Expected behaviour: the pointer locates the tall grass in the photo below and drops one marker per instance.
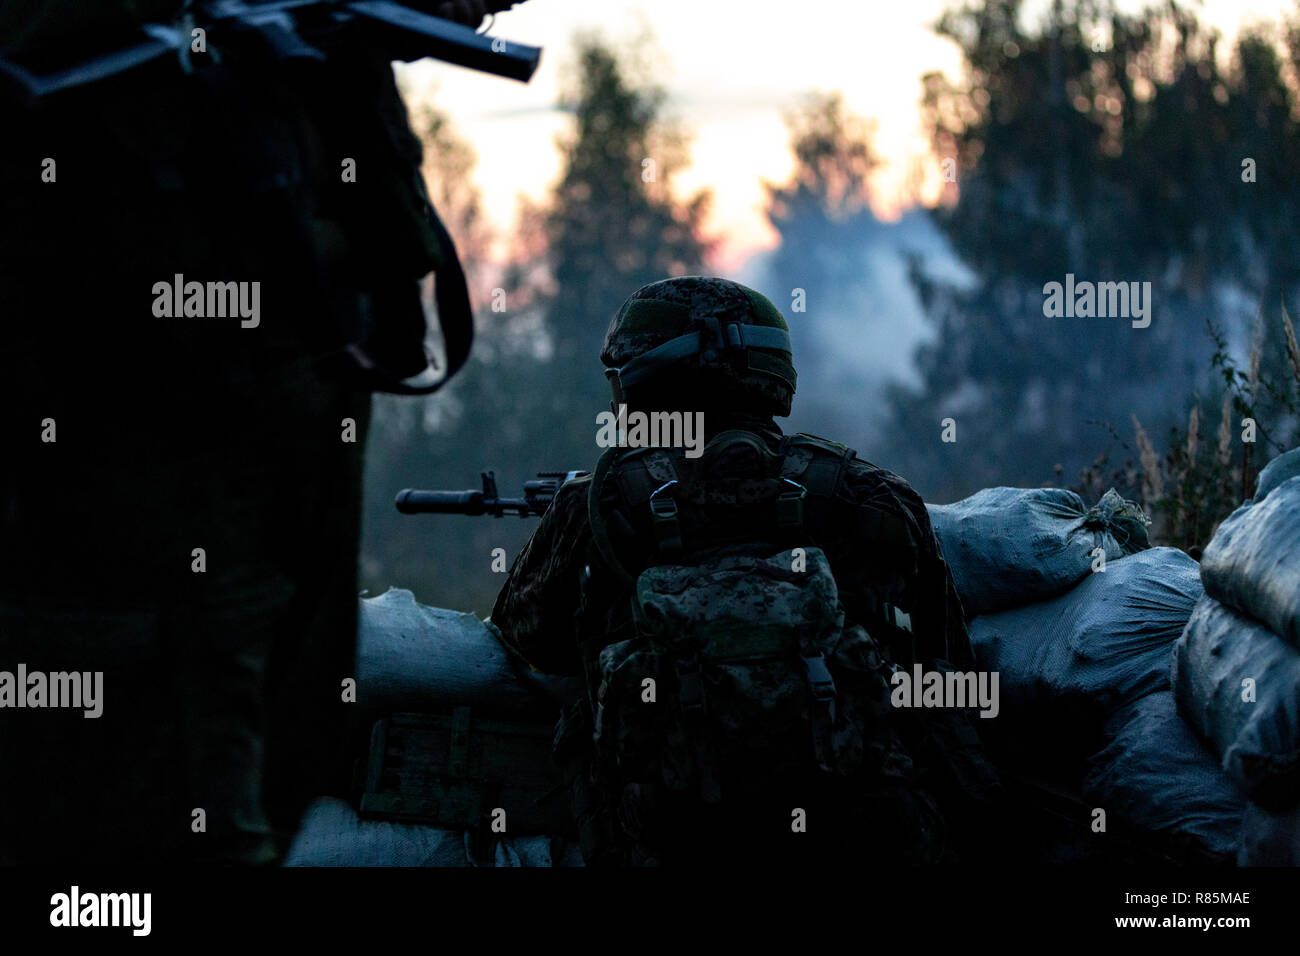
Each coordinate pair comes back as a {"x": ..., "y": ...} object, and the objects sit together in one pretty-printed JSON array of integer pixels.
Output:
[{"x": 1194, "y": 485}]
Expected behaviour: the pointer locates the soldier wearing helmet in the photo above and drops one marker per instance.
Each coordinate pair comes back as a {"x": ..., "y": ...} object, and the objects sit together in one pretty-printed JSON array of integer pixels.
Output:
[{"x": 712, "y": 346}]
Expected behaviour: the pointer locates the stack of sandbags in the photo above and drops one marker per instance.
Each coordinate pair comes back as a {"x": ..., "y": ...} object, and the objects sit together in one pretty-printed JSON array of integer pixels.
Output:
[
  {"x": 1082, "y": 649},
  {"x": 1237, "y": 665},
  {"x": 1238, "y": 684},
  {"x": 415, "y": 659},
  {"x": 1154, "y": 777},
  {"x": 1088, "y": 673},
  {"x": 1008, "y": 547},
  {"x": 1067, "y": 664},
  {"x": 1252, "y": 564}
]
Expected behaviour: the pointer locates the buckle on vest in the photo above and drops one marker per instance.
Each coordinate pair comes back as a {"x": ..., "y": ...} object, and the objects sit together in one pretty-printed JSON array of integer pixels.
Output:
[
  {"x": 819, "y": 678},
  {"x": 663, "y": 513},
  {"x": 789, "y": 505},
  {"x": 822, "y": 711},
  {"x": 690, "y": 687},
  {"x": 899, "y": 618}
]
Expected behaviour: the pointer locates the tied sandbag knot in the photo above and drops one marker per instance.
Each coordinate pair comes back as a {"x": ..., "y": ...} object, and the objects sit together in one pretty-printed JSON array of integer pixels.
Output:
[{"x": 1123, "y": 519}]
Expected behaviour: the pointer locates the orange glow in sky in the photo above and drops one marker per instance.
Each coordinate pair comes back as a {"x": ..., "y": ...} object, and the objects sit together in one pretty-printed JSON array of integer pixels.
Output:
[{"x": 732, "y": 68}]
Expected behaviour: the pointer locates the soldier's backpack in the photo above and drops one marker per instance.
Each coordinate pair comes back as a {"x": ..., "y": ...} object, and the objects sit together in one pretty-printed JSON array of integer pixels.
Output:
[{"x": 734, "y": 677}]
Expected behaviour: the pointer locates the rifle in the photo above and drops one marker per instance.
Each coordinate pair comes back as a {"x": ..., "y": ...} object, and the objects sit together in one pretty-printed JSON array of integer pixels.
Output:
[
  {"x": 280, "y": 26},
  {"x": 537, "y": 497}
]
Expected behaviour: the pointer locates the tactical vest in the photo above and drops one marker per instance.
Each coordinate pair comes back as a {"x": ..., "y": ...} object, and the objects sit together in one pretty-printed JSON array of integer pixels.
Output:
[{"x": 648, "y": 506}]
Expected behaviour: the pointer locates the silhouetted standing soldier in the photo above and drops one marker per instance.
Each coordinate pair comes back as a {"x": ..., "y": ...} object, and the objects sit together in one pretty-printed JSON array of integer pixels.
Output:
[{"x": 207, "y": 263}]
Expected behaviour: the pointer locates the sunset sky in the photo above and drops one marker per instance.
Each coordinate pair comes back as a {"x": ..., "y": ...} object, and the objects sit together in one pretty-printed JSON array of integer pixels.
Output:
[{"x": 731, "y": 68}]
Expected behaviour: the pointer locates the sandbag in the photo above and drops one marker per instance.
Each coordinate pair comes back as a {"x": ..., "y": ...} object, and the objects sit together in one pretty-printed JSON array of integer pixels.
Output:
[
  {"x": 1269, "y": 837},
  {"x": 1155, "y": 777},
  {"x": 1080, "y": 657},
  {"x": 1012, "y": 546},
  {"x": 427, "y": 659},
  {"x": 1258, "y": 741},
  {"x": 1252, "y": 564},
  {"x": 1278, "y": 470},
  {"x": 331, "y": 834}
]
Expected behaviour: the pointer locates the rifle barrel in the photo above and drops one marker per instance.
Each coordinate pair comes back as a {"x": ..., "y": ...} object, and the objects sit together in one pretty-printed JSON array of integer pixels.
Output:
[
  {"x": 449, "y": 41},
  {"x": 413, "y": 502}
]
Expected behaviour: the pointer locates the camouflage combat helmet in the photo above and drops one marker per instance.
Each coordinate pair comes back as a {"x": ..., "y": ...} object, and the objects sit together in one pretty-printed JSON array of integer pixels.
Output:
[{"x": 709, "y": 340}]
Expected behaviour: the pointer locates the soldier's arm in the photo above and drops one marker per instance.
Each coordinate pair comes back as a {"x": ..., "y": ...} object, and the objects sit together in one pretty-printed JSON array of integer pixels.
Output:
[
  {"x": 907, "y": 551},
  {"x": 40, "y": 24},
  {"x": 535, "y": 609}
]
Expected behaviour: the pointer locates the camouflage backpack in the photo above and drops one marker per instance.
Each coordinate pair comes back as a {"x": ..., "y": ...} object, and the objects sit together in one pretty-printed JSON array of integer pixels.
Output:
[{"x": 735, "y": 672}]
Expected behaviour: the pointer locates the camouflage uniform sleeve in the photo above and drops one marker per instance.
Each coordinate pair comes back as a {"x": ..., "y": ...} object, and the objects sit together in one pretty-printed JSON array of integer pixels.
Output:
[
  {"x": 926, "y": 587},
  {"x": 535, "y": 609}
]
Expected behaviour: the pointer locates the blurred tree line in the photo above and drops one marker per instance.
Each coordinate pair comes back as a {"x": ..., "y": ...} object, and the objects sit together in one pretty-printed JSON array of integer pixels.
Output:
[{"x": 1114, "y": 147}]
